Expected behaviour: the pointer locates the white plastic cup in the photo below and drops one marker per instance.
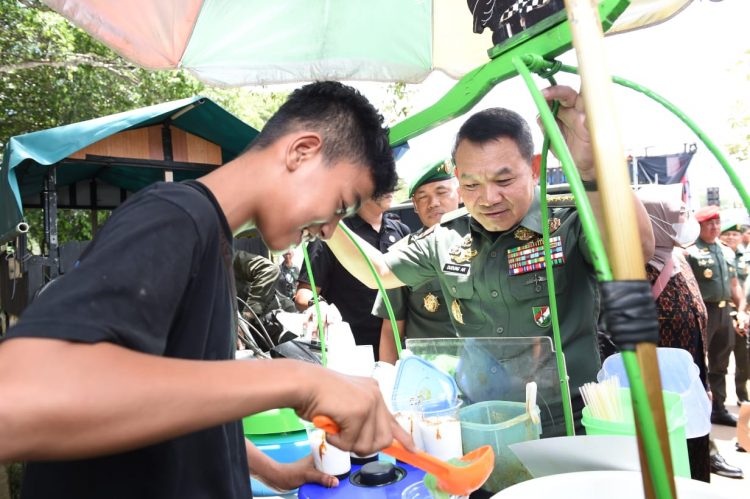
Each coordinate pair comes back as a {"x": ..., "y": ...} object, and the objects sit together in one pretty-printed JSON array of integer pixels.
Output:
[
  {"x": 410, "y": 421},
  {"x": 440, "y": 430},
  {"x": 326, "y": 457}
]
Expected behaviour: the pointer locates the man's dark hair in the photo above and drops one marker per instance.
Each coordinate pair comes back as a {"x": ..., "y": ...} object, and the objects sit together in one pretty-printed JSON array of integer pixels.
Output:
[
  {"x": 495, "y": 123},
  {"x": 352, "y": 129}
]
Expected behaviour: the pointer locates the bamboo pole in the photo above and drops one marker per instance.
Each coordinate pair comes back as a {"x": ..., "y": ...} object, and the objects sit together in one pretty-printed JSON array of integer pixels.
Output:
[{"x": 620, "y": 229}]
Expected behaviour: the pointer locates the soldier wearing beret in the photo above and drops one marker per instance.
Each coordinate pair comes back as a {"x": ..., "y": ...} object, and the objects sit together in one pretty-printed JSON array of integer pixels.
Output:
[
  {"x": 489, "y": 262},
  {"x": 421, "y": 311},
  {"x": 731, "y": 235},
  {"x": 714, "y": 266}
]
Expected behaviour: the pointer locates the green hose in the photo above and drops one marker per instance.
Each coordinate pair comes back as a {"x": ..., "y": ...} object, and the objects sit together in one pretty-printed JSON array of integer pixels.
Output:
[
  {"x": 316, "y": 300},
  {"x": 641, "y": 406}
]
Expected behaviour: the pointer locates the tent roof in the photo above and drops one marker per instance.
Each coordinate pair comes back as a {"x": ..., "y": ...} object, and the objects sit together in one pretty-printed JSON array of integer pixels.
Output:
[{"x": 27, "y": 157}]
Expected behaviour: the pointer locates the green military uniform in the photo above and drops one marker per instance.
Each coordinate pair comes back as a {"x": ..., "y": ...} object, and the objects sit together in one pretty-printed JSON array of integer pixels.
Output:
[
  {"x": 423, "y": 307},
  {"x": 714, "y": 267},
  {"x": 741, "y": 343},
  {"x": 497, "y": 287}
]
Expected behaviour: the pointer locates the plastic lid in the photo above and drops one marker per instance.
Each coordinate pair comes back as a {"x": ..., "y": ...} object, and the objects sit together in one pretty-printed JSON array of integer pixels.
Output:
[
  {"x": 418, "y": 381},
  {"x": 273, "y": 421}
]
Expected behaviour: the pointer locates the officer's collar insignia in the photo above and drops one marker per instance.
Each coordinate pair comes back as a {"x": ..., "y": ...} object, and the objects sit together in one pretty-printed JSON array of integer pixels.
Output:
[
  {"x": 431, "y": 302},
  {"x": 463, "y": 252},
  {"x": 524, "y": 234},
  {"x": 554, "y": 224},
  {"x": 456, "y": 311},
  {"x": 542, "y": 316}
]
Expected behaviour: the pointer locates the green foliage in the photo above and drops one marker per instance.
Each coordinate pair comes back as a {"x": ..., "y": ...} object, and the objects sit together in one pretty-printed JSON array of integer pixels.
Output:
[
  {"x": 53, "y": 74},
  {"x": 740, "y": 122}
]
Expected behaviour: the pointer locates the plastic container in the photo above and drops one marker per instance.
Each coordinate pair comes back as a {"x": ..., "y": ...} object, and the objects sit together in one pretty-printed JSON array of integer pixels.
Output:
[
  {"x": 326, "y": 457},
  {"x": 499, "y": 424},
  {"x": 272, "y": 422},
  {"x": 675, "y": 427},
  {"x": 679, "y": 374},
  {"x": 419, "y": 382},
  {"x": 440, "y": 431},
  {"x": 420, "y": 491}
]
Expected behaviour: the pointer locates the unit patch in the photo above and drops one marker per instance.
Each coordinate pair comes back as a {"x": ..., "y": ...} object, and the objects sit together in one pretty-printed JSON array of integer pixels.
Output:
[
  {"x": 542, "y": 316},
  {"x": 530, "y": 256}
]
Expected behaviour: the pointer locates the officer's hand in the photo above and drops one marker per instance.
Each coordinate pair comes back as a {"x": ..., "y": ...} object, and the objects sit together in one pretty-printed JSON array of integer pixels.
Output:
[
  {"x": 357, "y": 406},
  {"x": 572, "y": 122}
]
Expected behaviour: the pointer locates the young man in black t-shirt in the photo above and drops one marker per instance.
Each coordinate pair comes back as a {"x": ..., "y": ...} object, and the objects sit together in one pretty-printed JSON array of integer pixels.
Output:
[{"x": 118, "y": 381}]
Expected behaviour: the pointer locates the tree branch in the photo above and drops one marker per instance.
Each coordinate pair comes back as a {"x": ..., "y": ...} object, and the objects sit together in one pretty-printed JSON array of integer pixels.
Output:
[{"x": 121, "y": 70}]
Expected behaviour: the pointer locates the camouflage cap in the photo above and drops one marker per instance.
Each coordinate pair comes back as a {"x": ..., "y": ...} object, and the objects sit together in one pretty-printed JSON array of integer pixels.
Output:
[{"x": 433, "y": 172}]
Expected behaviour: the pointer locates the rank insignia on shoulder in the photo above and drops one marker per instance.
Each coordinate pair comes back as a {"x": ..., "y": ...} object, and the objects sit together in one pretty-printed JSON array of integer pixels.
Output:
[
  {"x": 456, "y": 311},
  {"x": 431, "y": 303},
  {"x": 524, "y": 234},
  {"x": 542, "y": 316}
]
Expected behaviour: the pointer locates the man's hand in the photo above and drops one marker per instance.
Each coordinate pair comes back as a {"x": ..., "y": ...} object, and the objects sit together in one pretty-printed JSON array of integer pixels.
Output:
[
  {"x": 288, "y": 476},
  {"x": 356, "y": 405},
  {"x": 571, "y": 119}
]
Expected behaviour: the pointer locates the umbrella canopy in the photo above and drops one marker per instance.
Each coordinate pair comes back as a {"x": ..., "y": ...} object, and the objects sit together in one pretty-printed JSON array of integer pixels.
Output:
[
  {"x": 200, "y": 128},
  {"x": 250, "y": 42}
]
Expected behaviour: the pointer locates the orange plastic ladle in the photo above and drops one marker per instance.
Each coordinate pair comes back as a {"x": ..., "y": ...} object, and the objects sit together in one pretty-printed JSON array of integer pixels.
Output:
[{"x": 455, "y": 479}]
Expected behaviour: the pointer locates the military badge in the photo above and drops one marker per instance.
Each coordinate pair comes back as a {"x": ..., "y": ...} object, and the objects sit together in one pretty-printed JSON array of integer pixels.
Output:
[
  {"x": 542, "y": 316},
  {"x": 431, "y": 303},
  {"x": 554, "y": 224},
  {"x": 456, "y": 310},
  {"x": 708, "y": 273},
  {"x": 524, "y": 234},
  {"x": 463, "y": 253}
]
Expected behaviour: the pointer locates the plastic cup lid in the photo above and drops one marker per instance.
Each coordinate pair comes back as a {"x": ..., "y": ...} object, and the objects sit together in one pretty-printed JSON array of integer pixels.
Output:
[{"x": 419, "y": 382}]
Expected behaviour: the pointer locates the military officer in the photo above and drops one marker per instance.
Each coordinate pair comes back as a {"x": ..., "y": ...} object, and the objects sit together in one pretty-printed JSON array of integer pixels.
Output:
[
  {"x": 421, "y": 311},
  {"x": 713, "y": 264},
  {"x": 489, "y": 262},
  {"x": 731, "y": 235}
]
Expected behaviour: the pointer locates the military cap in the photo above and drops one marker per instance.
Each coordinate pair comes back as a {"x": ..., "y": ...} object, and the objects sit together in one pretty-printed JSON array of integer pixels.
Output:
[
  {"x": 433, "y": 172},
  {"x": 731, "y": 226},
  {"x": 707, "y": 213}
]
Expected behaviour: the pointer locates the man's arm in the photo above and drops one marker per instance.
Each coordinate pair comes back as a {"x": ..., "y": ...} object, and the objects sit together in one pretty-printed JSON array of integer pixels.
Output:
[
  {"x": 303, "y": 295},
  {"x": 572, "y": 121},
  {"x": 387, "y": 350},
  {"x": 350, "y": 257},
  {"x": 65, "y": 400}
]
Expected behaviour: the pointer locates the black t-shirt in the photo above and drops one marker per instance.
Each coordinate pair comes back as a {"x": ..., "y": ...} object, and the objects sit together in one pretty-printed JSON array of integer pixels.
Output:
[
  {"x": 156, "y": 279},
  {"x": 353, "y": 299}
]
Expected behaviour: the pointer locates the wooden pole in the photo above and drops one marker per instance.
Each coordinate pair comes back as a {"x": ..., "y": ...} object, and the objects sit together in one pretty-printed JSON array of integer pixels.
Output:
[{"x": 620, "y": 227}]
